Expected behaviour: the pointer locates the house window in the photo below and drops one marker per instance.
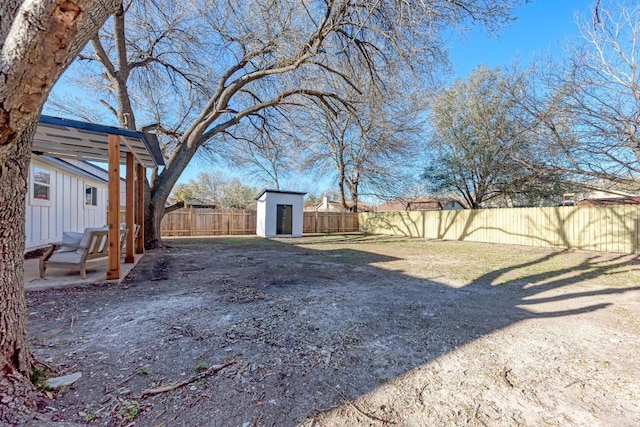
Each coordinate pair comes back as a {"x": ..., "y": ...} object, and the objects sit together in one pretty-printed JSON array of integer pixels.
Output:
[
  {"x": 41, "y": 184},
  {"x": 90, "y": 195}
]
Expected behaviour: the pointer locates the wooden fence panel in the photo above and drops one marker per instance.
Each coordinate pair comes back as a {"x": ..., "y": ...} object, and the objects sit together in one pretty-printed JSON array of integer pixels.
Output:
[
  {"x": 177, "y": 223},
  {"x": 596, "y": 228},
  {"x": 330, "y": 222},
  {"x": 211, "y": 222}
]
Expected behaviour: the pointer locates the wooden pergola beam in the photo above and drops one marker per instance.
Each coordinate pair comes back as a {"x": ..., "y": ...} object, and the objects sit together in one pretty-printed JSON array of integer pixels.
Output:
[
  {"x": 113, "y": 220},
  {"x": 130, "y": 209},
  {"x": 141, "y": 205}
]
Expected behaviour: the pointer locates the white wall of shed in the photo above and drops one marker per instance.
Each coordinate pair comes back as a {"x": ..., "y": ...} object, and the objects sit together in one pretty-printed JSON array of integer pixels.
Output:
[
  {"x": 261, "y": 216},
  {"x": 267, "y": 213}
]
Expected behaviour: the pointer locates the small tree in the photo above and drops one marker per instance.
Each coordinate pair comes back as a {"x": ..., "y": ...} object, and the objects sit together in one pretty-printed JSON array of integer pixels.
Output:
[
  {"x": 367, "y": 147},
  {"x": 264, "y": 151}
]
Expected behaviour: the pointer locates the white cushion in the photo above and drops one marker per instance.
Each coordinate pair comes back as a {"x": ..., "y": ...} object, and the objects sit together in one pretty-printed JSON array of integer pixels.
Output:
[
  {"x": 69, "y": 257},
  {"x": 70, "y": 238},
  {"x": 85, "y": 237}
]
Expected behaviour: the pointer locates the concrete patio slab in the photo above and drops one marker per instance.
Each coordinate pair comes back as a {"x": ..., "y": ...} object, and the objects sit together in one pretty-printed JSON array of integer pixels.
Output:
[{"x": 61, "y": 278}]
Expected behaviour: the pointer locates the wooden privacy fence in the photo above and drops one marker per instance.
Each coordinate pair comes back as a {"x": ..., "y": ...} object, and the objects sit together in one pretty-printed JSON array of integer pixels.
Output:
[
  {"x": 595, "y": 228},
  {"x": 207, "y": 222},
  {"x": 213, "y": 222},
  {"x": 330, "y": 222}
]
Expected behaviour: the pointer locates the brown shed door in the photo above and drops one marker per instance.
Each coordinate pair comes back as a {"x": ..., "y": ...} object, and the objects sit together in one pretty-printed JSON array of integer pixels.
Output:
[{"x": 284, "y": 219}]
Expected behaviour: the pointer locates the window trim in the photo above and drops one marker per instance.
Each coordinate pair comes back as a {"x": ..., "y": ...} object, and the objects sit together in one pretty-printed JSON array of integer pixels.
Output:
[
  {"x": 95, "y": 196},
  {"x": 32, "y": 183}
]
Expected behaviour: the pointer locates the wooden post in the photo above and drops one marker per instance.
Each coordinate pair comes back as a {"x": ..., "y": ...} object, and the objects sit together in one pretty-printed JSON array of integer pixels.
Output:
[
  {"x": 191, "y": 220},
  {"x": 113, "y": 271},
  {"x": 129, "y": 209},
  {"x": 141, "y": 206}
]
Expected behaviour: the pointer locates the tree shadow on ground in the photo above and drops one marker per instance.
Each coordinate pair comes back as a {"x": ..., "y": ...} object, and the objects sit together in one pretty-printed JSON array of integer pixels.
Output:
[{"x": 309, "y": 327}]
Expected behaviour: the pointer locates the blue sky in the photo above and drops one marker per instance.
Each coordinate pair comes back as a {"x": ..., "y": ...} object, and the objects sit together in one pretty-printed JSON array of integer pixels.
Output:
[{"x": 540, "y": 28}]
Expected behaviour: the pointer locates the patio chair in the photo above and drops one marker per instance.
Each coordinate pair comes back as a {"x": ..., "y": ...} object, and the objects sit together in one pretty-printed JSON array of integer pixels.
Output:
[
  {"x": 123, "y": 240},
  {"x": 92, "y": 250}
]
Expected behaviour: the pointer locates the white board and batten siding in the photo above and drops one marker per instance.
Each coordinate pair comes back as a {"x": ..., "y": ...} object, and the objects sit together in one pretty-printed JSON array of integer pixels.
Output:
[{"x": 65, "y": 204}]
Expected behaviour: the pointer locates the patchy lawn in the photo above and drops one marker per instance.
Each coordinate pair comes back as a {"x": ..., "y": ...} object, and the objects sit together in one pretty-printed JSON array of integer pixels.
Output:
[{"x": 349, "y": 331}]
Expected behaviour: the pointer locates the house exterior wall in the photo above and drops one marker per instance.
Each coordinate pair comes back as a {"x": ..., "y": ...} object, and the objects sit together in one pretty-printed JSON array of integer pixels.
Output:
[
  {"x": 326, "y": 206},
  {"x": 267, "y": 213},
  {"x": 65, "y": 210},
  {"x": 103, "y": 174}
]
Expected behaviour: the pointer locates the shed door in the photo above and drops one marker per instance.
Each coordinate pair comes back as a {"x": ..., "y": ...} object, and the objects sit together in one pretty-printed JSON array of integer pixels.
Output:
[{"x": 283, "y": 226}]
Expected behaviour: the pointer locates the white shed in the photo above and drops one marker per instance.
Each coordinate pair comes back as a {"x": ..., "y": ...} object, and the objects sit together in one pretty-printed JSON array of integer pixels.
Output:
[{"x": 280, "y": 213}]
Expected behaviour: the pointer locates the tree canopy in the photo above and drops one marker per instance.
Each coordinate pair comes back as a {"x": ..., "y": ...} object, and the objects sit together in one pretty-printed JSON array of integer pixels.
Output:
[
  {"x": 369, "y": 147},
  {"x": 477, "y": 140},
  {"x": 215, "y": 189}
]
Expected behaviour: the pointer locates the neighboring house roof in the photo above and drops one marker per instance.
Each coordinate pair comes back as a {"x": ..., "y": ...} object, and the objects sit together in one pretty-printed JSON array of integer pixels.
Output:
[
  {"x": 196, "y": 203},
  {"x": 175, "y": 205},
  {"x": 335, "y": 206},
  {"x": 623, "y": 200},
  {"x": 422, "y": 203},
  {"x": 279, "y": 191}
]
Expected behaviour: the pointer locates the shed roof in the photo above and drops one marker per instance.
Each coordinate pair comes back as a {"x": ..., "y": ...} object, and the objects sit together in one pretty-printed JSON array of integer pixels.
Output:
[
  {"x": 75, "y": 139},
  {"x": 279, "y": 192}
]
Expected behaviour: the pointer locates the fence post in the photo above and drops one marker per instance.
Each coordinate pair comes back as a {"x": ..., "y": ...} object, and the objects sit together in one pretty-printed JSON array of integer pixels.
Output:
[
  {"x": 191, "y": 220},
  {"x": 637, "y": 230}
]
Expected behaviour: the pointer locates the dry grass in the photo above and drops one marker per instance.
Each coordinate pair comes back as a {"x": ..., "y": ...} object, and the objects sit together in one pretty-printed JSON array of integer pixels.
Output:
[{"x": 462, "y": 263}]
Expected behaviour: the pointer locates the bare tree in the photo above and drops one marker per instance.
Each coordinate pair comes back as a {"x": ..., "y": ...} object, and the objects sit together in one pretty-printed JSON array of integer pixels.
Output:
[
  {"x": 589, "y": 108},
  {"x": 263, "y": 149},
  {"x": 38, "y": 40},
  {"x": 240, "y": 59},
  {"x": 365, "y": 147}
]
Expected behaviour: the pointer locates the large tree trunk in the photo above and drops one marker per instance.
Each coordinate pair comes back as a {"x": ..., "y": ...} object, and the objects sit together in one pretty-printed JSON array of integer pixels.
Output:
[
  {"x": 16, "y": 392},
  {"x": 161, "y": 189},
  {"x": 38, "y": 40},
  {"x": 152, "y": 219}
]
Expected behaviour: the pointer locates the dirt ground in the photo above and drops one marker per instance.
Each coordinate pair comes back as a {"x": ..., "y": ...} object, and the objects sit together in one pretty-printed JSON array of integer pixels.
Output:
[{"x": 349, "y": 330}]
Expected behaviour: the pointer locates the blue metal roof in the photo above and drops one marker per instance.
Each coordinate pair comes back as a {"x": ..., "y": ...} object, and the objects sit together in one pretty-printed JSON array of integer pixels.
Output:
[{"x": 58, "y": 137}]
